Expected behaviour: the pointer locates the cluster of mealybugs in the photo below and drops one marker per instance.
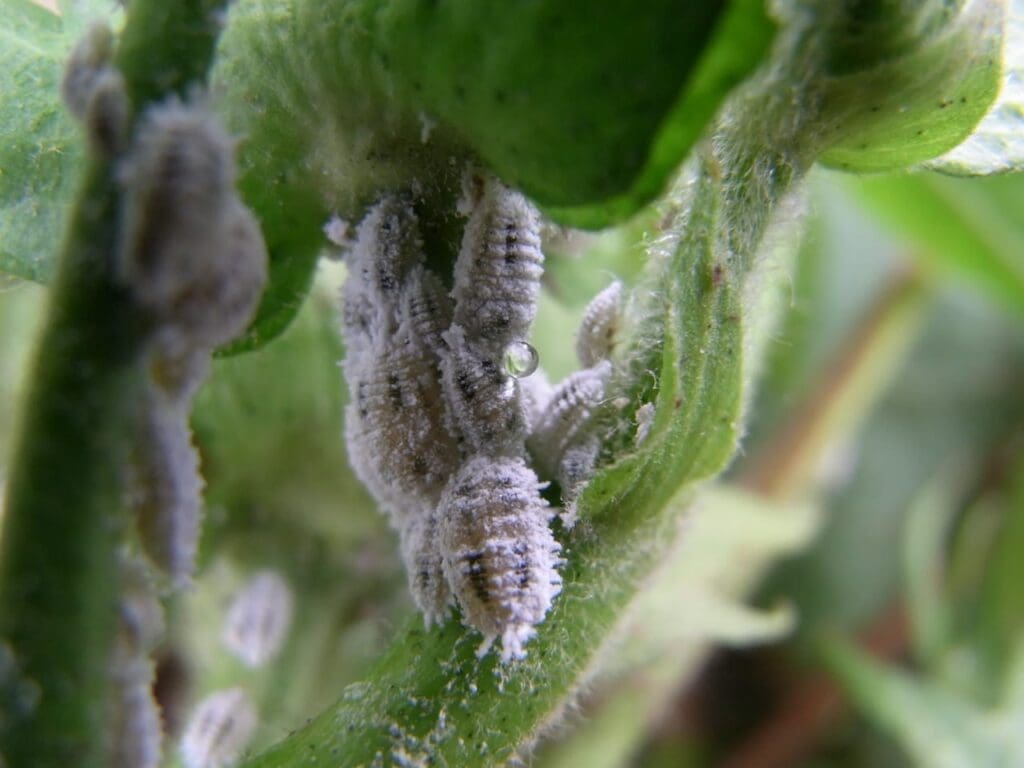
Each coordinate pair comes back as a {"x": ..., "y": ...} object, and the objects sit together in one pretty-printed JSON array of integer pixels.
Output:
[
  {"x": 443, "y": 407},
  {"x": 192, "y": 261}
]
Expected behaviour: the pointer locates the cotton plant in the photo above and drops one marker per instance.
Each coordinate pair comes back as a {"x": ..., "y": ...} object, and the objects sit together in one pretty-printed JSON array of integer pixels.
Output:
[{"x": 200, "y": 154}]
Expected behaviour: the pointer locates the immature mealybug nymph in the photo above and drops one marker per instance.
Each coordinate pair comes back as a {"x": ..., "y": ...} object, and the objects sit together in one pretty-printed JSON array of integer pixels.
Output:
[
  {"x": 220, "y": 727},
  {"x": 136, "y": 730},
  {"x": 500, "y": 557},
  {"x": 569, "y": 409},
  {"x": 387, "y": 246},
  {"x": 421, "y": 554},
  {"x": 258, "y": 619},
  {"x": 89, "y": 58},
  {"x": 165, "y": 486},
  {"x": 596, "y": 337},
  {"x": 498, "y": 271}
]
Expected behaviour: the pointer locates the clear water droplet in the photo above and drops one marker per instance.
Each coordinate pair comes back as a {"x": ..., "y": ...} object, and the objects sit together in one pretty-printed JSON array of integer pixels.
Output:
[{"x": 520, "y": 359}]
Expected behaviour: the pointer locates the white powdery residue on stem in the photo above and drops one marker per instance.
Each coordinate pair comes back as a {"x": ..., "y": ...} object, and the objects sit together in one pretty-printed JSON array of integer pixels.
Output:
[{"x": 258, "y": 619}]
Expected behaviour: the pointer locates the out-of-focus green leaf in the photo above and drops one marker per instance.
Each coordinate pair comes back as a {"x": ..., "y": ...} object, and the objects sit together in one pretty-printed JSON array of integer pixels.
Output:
[
  {"x": 39, "y": 147},
  {"x": 997, "y": 143},
  {"x": 927, "y": 91},
  {"x": 998, "y": 631},
  {"x": 937, "y": 728},
  {"x": 968, "y": 229},
  {"x": 932, "y": 513}
]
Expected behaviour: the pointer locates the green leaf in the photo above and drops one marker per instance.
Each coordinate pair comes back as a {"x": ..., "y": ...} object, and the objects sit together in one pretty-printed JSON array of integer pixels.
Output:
[
  {"x": 588, "y": 108},
  {"x": 40, "y": 150},
  {"x": 970, "y": 230},
  {"x": 924, "y": 97},
  {"x": 997, "y": 143},
  {"x": 935, "y": 727}
]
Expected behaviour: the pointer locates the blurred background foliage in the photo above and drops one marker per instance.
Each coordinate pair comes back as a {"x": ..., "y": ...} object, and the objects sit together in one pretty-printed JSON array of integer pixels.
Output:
[{"x": 875, "y": 515}]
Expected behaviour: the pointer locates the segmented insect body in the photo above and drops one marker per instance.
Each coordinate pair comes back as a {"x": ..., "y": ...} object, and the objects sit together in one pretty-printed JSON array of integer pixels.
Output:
[
  {"x": 500, "y": 556},
  {"x": 396, "y": 429},
  {"x": 135, "y": 722},
  {"x": 596, "y": 336},
  {"x": 498, "y": 270},
  {"x": 220, "y": 728},
  {"x": 483, "y": 399},
  {"x": 427, "y": 309},
  {"x": 193, "y": 258},
  {"x": 421, "y": 554},
  {"x": 567, "y": 412},
  {"x": 387, "y": 246},
  {"x": 136, "y": 730},
  {"x": 191, "y": 253},
  {"x": 258, "y": 619},
  {"x": 393, "y": 312},
  {"x": 165, "y": 487}
]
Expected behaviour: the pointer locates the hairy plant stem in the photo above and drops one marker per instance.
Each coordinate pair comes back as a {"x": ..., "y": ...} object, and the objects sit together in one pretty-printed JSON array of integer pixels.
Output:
[{"x": 64, "y": 514}]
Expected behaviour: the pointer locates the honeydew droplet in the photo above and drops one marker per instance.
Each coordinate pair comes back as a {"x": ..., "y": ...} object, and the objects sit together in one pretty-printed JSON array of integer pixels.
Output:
[{"x": 520, "y": 359}]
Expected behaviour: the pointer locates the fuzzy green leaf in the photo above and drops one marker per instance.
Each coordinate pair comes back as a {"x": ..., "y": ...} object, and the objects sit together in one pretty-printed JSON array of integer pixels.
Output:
[
  {"x": 40, "y": 151},
  {"x": 587, "y": 108},
  {"x": 997, "y": 143},
  {"x": 924, "y": 97}
]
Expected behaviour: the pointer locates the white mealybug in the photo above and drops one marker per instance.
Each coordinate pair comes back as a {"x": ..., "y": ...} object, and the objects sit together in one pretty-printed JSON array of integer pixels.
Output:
[
  {"x": 427, "y": 309},
  {"x": 421, "y": 554},
  {"x": 135, "y": 728},
  {"x": 644, "y": 421},
  {"x": 482, "y": 398},
  {"x": 94, "y": 92},
  {"x": 498, "y": 270},
  {"x": 219, "y": 729},
  {"x": 89, "y": 57},
  {"x": 258, "y": 619},
  {"x": 500, "y": 557},
  {"x": 569, "y": 409},
  {"x": 194, "y": 261},
  {"x": 165, "y": 487},
  {"x": 192, "y": 255},
  {"x": 596, "y": 337},
  {"x": 396, "y": 430}
]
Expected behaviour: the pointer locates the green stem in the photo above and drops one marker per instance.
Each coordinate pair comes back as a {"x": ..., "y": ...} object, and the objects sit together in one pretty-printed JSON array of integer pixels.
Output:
[
  {"x": 64, "y": 513},
  {"x": 62, "y": 519}
]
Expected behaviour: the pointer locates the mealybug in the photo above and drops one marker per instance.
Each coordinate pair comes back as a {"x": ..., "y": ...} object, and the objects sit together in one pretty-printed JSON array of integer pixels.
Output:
[
  {"x": 500, "y": 557},
  {"x": 498, "y": 270},
  {"x": 421, "y": 554},
  {"x": 596, "y": 337},
  {"x": 258, "y": 619},
  {"x": 569, "y": 409},
  {"x": 483, "y": 400},
  {"x": 165, "y": 488},
  {"x": 220, "y": 728}
]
